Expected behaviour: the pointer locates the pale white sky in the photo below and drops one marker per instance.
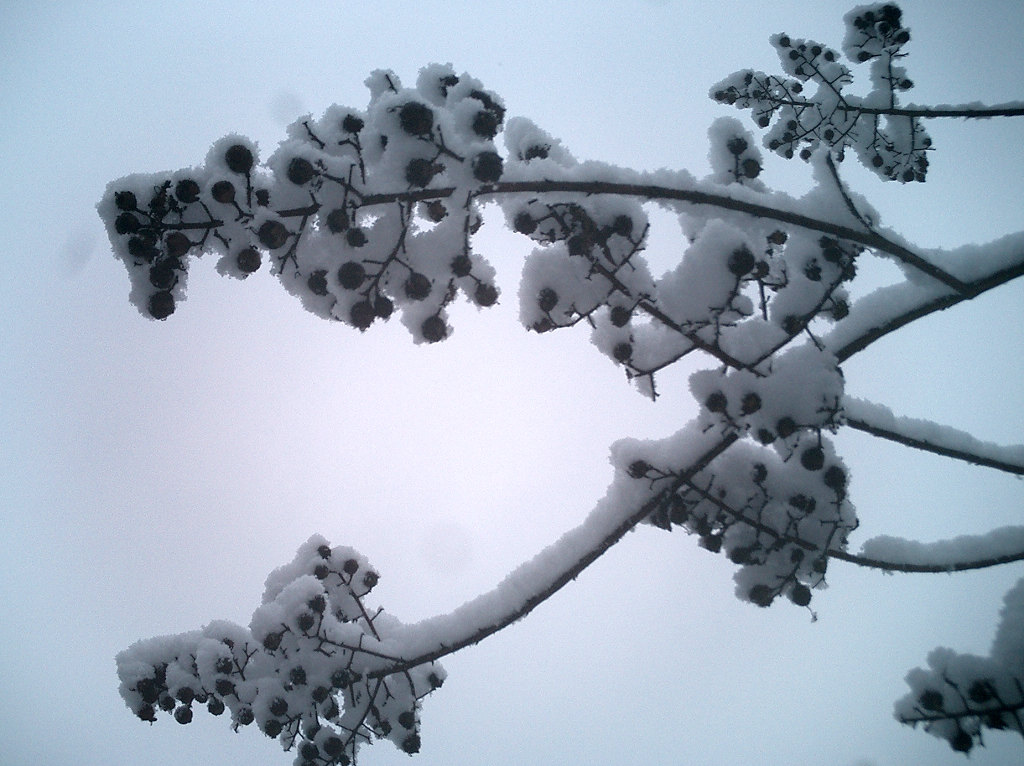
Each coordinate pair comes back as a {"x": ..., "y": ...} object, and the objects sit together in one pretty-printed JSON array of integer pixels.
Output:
[{"x": 151, "y": 474}]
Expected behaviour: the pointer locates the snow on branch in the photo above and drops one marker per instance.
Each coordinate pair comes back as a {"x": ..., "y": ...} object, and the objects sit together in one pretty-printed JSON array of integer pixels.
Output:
[
  {"x": 960, "y": 695},
  {"x": 878, "y": 420}
]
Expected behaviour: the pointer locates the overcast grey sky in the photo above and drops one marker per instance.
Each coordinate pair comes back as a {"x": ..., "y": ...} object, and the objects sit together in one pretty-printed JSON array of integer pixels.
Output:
[{"x": 152, "y": 474}]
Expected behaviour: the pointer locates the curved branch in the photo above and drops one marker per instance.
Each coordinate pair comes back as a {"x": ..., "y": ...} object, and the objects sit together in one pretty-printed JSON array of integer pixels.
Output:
[
  {"x": 924, "y": 435},
  {"x": 929, "y": 305},
  {"x": 898, "y": 566},
  {"x": 654, "y": 192},
  {"x": 556, "y": 581}
]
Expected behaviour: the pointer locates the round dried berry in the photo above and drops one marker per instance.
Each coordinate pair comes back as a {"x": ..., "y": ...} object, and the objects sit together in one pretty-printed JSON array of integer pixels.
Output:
[
  {"x": 800, "y": 594},
  {"x": 638, "y": 469},
  {"x": 382, "y": 306},
  {"x": 622, "y": 352},
  {"x": 278, "y": 706},
  {"x": 407, "y": 719},
  {"x": 751, "y": 168},
  {"x": 239, "y": 159},
  {"x": 961, "y": 742},
  {"x": 485, "y": 295},
  {"x": 420, "y": 172},
  {"x": 361, "y": 315},
  {"x": 736, "y": 145},
  {"x": 337, "y": 220},
  {"x": 835, "y": 478},
  {"x": 125, "y": 200},
  {"x": 305, "y": 621},
  {"x": 762, "y": 595},
  {"x": 317, "y": 282},
  {"x": 183, "y": 715},
  {"x": 334, "y": 746},
  {"x": 271, "y": 641},
  {"x": 620, "y": 316},
  {"x": 356, "y": 237},
  {"x": 321, "y": 571},
  {"x": 272, "y": 234},
  {"x": 187, "y": 190},
  {"x": 524, "y": 223},
  {"x": 741, "y": 261},
  {"x": 318, "y": 604},
  {"x": 300, "y": 171},
  {"x": 411, "y": 744},
  {"x": 224, "y": 665},
  {"x": 436, "y": 211},
  {"x": 272, "y": 727},
  {"x": 177, "y": 244},
  {"x": 245, "y": 716},
  {"x": 417, "y": 286},
  {"x": 813, "y": 458},
  {"x": 485, "y": 124},
  {"x": 931, "y": 699},
  {"x": 370, "y": 579},
  {"x": 716, "y": 402},
  {"x": 622, "y": 225},
  {"x": 161, "y": 304},
  {"x": 487, "y": 167},
  {"x": 350, "y": 567},
  {"x": 249, "y": 260},
  {"x": 461, "y": 265},
  {"x": 161, "y": 275},
  {"x": 547, "y": 299},
  {"x": 126, "y": 223},
  {"x": 434, "y": 329},
  {"x": 415, "y": 118},
  {"x": 224, "y": 687},
  {"x": 750, "y": 403},
  {"x": 352, "y": 124},
  {"x": 223, "y": 192},
  {"x": 351, "y": 275}
]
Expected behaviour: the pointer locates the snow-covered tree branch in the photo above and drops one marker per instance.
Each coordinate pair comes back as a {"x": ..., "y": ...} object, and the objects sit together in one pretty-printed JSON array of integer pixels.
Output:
[{"x": 365, "y": 215}]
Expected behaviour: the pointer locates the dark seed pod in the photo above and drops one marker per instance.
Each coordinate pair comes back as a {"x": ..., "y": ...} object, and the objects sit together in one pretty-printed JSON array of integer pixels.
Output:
[
  {"x": 351, "y": 275},
  {"x": 361, "y": 315},
  {"x": 416, "y": 119},
  {"x": 300, "y": 171},
  {"x": 272, "y": 234},
  {"x": 487, "y": 167},
  {"x": 813, "y": 458},
  {"x": 622, "y": 352},
  {"x": 716, "y": 402},
  {"x": 161, "y": 304},
  {"x": 317, "y": 282},
  {"x": 125, "y": 200},
  {"x": 187, "y": 190},
  {"x": 126, "y": 223},
  {"x": 177, "y": 244},
  {"x": 352, "y": 124},
  {"x": 249, "y": 260},
  {"x": 800, "y": 594},
  {"x": 620, "y": 316},
  {"x": 462, "y": 265},
  {"x": 337, "y": 220},
  {"x": 162, "y": 276},
  {"x": 239, "y": 159},
  {"x": 485, "y": 295},
  {"x": 524, "y": 223},
  {"x": 741, "y": 261},
  {"x": 547, "y": 299},
  {"x": 420, "y": 172},
  {"x": 762, "y": 595},
  {"x": 382, "y": 306},
  {"x": 434, "y": 329},
  {"x": 223, "y": 192},
  {"x": 417, "y": 286},
  {"x": 355, "y": 237}
]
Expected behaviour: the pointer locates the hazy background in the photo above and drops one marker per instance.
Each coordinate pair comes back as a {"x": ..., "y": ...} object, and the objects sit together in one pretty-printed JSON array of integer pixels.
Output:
[{"x": 152, "y": 474}]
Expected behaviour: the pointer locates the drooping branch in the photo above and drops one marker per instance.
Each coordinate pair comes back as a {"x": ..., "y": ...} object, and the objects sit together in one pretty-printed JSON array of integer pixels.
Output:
[
  {"x": 887, "y": 308},
  {"x": 968, "y": 111},
  {"x": 900, "y": 566},
  {"x": 928, "y": 436},
  {"x": 436, "y": 641}
]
